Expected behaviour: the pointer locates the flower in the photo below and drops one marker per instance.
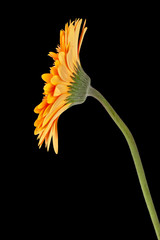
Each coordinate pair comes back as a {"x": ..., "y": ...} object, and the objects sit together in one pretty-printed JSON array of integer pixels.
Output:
[{"x": 66, "y": 84}]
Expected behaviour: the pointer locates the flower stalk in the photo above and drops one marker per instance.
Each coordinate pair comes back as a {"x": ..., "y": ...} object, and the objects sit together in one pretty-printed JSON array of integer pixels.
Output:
[{"x": 135, "y": 154}]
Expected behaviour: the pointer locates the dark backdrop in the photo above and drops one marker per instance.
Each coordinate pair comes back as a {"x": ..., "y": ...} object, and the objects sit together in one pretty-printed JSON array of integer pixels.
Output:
[{"x": 91, "y": 187}]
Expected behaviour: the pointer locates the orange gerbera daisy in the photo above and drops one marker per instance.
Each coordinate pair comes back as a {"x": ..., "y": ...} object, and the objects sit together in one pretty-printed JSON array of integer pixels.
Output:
[{"x": 66, "y": 84}]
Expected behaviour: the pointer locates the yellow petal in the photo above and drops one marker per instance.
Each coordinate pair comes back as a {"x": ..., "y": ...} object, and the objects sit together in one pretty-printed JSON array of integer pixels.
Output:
[
  {"x": 84, "y": 29},
  {"x": 61, "y": 57},
  {"x": 60, "y": 88},
  {"x": 69, "y": 57},
  {"x": 64, "y": 73},
  {"x": 77, "y": 30},
  {"x": 49, "y": 139},
  {"x": 57, "y": 80},
  {"x": 66, "y": 34},
  {"x": 39, "y": 132}
]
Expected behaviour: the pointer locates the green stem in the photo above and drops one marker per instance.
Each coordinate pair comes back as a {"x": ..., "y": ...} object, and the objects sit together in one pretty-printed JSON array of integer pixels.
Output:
[{"x": 135, "y": 154}]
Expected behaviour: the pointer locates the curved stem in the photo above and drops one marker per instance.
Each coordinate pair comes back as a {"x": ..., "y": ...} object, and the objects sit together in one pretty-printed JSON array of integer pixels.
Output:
[{"x": 135, "y": 154}]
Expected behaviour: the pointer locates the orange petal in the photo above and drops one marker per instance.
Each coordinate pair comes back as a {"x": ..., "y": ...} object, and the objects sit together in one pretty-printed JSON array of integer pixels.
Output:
[
  {"x": 48, "y": 88},
  {"x": 42, "y": 104},
  {"x": 53, "y": 70},
  {"x": 46, "y": 77},
  {"x": 61, "y": 100},
  {"x": 37, "y": 110},
  {"x": 55, "y": 136},
  {"x": 38, "y": 131},
  {"x": 50, "y": 98},
  {"x": 48, "y": 127},
  {"x": 56, "y": 63},
  {"x": 41, "y": 113},
  {"x": 62, "y": 40},
  {"x": 47, "y": 110},
  {"x": 53, "y": 55},
  {"x": 38, "y": 122},
  {"x": 46, "y": 138}
]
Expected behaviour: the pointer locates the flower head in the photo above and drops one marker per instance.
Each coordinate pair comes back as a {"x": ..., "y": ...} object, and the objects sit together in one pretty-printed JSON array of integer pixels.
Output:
[{"x": 66, "y": 84}]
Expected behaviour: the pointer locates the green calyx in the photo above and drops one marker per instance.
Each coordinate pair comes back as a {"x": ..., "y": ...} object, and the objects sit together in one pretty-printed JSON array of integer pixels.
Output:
[{"x": 79, "y": 88}]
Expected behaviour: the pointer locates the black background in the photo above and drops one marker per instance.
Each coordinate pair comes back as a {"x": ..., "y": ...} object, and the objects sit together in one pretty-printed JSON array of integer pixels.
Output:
[{"x": 91, "y": 187}]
